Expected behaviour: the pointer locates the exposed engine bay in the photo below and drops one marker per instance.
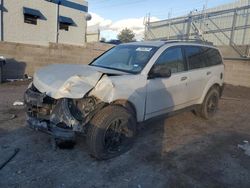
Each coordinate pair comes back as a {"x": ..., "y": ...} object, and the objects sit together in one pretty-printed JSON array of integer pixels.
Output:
[{"x": 55, "y": 115}]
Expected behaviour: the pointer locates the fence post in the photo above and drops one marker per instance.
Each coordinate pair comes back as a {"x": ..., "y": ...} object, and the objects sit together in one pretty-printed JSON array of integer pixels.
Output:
[{"x": 233, "y": 27}]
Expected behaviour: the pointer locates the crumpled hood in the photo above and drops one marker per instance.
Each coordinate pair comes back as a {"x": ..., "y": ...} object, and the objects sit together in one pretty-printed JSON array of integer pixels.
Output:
[{"x": 67, "y": 80}]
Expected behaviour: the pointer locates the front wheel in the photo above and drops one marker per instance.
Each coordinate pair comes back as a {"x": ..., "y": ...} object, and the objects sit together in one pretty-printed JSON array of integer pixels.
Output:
[
  {"x": 111, "y": 133},
  {"x": 210, "y": 104}
]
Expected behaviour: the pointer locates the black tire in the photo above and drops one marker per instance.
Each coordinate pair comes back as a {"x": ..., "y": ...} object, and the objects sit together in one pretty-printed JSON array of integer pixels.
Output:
[
  {"x": 111, "y": 132},
  {"x": 210, "y": 104}
]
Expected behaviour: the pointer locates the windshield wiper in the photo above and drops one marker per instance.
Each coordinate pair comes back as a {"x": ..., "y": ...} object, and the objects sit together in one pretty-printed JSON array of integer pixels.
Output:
[{"x": 112, "y": 68}]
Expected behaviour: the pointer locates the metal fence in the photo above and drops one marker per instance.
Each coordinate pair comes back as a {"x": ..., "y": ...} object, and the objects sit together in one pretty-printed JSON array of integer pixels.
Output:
[{"x": 225, "y": 25}]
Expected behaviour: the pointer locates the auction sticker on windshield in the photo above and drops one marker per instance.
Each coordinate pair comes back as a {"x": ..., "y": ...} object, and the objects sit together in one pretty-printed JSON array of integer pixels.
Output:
[{"x": 143, "y": 49}]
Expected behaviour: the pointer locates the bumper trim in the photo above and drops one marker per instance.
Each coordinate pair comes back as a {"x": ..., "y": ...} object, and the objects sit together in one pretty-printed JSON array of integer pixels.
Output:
[{"x": 50, "y": 128}]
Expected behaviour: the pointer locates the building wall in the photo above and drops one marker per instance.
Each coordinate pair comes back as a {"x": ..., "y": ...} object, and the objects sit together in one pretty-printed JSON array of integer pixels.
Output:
[
  {"x": 76, "y": 34},
  {"x": 237, "y": 72},
  {"x": 93, "y": 37},
  {"x": 93, "y": 33},
  {"x": 26, "y": 58},
  {"x": 15, "y": 30},
  {"x": 1, "y": 9}
]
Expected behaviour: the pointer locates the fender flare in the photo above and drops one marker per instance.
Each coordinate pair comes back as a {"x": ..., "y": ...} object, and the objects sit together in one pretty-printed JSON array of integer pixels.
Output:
[{"x": 214, "y": 82}]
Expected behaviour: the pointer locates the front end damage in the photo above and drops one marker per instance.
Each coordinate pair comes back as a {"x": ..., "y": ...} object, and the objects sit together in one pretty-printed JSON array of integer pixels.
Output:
[
  {"x": 61, "y": 118},
  {"x": 64, "y": 98}
]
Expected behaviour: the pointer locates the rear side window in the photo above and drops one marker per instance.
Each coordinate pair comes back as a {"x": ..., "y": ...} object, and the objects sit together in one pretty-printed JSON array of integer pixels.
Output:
[
  {"x": 172, "y": 59},
  {"x": 212, "y": 55},
  {"x": 195, "y": 57}
]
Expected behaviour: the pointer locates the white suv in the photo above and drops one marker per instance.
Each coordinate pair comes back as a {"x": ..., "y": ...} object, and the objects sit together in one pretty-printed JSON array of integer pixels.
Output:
[{"x": 126, "y": 85}]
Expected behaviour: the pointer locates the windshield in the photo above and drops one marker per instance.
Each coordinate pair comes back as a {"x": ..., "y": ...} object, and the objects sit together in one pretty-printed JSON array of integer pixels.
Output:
[{"x": 127, "y": 58}]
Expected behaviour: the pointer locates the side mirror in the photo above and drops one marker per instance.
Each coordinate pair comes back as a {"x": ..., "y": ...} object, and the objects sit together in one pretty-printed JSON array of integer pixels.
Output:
[{"x": 159, "y": 71}]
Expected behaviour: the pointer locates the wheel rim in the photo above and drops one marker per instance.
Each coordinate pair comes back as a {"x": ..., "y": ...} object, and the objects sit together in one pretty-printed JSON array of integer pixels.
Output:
[
  {"x": 212, "y": 104},
  {"x": 116, "y": 136}
]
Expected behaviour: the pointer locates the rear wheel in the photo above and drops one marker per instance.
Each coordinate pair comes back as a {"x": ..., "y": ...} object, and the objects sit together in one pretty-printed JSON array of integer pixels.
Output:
[
  {"x": 210, "y": 104},
  {"x": 111, "y": 132}
]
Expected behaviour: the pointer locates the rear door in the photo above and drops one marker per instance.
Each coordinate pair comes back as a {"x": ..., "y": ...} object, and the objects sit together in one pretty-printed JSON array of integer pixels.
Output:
[
  {"x": 198, "y": 73},
  {"x": 214, "y": 64}
]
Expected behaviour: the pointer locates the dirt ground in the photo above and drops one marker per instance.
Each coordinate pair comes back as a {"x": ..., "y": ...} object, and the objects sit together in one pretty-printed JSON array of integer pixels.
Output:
[{"x": 180, "y": 151}]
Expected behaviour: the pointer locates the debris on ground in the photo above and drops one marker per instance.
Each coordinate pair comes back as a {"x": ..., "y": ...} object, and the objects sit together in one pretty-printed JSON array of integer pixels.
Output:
[
  {"x": 19, "y": 172},
  {"x": 18, "y": 103},
  {"x": 26, "y": 77},
  {"x": 14, "y": 80},
  {"x": 12, "y": 116},
  {"x": 10, "y": 158},
  {"x": 245, "y": 147},
  {"x": 9, "y": 117}
]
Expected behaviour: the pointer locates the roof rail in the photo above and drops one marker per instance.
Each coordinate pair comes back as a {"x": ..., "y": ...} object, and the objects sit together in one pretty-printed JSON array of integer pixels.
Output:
[{"x": 198, "y": 41}]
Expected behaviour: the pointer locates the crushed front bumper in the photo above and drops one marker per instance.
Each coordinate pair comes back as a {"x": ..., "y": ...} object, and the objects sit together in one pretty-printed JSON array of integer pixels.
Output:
[
  {"x": 58, "y": 133},
  {"x": 50, "y": 116}
]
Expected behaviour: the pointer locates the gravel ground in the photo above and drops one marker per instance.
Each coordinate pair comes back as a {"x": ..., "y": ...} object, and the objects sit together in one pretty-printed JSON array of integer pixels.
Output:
[{"x": 180, "y": 151}]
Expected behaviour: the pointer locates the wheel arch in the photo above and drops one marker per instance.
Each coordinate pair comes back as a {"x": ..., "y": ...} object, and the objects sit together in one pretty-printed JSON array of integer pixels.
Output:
[
  {"x": 128, "y": 105},
  {"x": 208, "y": 88}
]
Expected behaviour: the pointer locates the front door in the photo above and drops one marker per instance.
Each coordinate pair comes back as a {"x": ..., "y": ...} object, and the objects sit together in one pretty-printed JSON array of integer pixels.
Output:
[{"x": 167, "y": 94}]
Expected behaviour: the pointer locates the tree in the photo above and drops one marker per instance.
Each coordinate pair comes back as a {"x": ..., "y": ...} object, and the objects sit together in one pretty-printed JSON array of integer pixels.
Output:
[{"x": 126, "y": 35}]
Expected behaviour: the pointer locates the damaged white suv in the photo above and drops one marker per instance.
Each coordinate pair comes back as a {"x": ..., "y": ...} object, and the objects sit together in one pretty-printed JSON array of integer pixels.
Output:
[{"x": 128, "y": 84}]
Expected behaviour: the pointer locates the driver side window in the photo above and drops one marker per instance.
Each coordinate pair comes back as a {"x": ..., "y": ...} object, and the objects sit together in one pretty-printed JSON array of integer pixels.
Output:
[{"x": 172, "y": 59}]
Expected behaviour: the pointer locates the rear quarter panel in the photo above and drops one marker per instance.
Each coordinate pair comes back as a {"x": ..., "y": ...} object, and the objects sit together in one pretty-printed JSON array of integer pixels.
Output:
[{"x": 214, "y": 79}]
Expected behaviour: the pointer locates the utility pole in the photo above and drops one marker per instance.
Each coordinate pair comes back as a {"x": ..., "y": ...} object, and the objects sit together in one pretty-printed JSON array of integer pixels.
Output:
[
  {"x": 246, "y": 21},
  {"x": 233, "y": 27},
  {"x": 204, "y": 10},
  {"x": 145, "y": 27},
  {"x": 189, "y": 25},
  {"x": 2, "y": 10},
  {"x": 169, "y": 23},
  {"x": 57, "y": 20},
  {"x": 146, "y": 23}
]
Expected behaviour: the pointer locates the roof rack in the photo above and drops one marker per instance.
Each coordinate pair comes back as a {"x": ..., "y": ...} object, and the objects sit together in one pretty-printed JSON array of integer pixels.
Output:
[{"x": 197, "y": 41}]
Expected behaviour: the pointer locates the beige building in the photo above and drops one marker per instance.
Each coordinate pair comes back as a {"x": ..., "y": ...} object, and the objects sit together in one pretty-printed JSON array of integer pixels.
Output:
[
  {"x": 93, "y": 34},
  {"x": 44, "y": 21}
]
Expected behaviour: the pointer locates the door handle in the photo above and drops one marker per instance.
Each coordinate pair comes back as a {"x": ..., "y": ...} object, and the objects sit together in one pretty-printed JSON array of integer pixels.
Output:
[
  {"x": 183, "y": 78},
  {"x": 208, "y": 73}
]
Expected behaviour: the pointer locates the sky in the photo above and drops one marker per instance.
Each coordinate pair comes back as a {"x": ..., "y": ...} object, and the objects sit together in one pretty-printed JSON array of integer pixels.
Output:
[{"x": 111, "y": 16}]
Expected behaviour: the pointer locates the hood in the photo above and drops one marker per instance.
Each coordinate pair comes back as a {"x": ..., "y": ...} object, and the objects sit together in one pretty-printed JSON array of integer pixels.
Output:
[{"x": 69, "y": 81}]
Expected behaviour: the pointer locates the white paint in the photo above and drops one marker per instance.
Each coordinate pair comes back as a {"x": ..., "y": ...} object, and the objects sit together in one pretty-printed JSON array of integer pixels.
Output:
[
  {"x": 131, "y": 88},
  {"x": 150, "y": 97},
  {"x": 67, "y": 80}
]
